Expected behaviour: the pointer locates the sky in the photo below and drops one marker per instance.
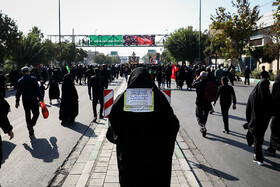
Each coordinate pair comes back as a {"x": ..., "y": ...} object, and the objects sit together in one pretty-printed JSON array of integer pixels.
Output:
[{"x": 116, "y": 17}]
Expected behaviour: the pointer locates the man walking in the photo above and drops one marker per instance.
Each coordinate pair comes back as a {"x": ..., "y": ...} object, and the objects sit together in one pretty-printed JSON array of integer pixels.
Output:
[
  {"x": 202, "y": 106},
  {"x": 29, "y": 89},
  {"x": 97, "y": 86},
  {"x": 247, "y": 73}
]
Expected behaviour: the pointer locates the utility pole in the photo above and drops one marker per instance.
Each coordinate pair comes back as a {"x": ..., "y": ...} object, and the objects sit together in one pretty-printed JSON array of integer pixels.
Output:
[
  {"x": 199, "y": 45},
  {"x": 59, "y": 23}
]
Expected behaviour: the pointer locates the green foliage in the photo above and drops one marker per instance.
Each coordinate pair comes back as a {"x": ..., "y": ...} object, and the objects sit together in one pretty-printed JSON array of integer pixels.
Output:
[
  {"x": 235, "y": 29},
  {"x": 100, "y": 59},
  {"x": 183, "y": 44},
  {"x": 9, "y": 37},
  {"x": 29, "y": 51}
]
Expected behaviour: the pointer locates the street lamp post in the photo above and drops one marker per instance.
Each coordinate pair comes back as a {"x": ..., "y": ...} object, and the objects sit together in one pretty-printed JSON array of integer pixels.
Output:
[
  {"x": 59, "y": 23},
  {"x": 199, "y": 45}
]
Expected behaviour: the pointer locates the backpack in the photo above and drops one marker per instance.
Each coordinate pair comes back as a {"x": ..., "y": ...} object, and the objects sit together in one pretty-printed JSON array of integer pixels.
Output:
[{"x": 210, "y": 91}]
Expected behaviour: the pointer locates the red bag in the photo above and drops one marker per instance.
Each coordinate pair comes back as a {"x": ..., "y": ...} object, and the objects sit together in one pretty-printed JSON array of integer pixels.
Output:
[{"x": 45, "y": 111}]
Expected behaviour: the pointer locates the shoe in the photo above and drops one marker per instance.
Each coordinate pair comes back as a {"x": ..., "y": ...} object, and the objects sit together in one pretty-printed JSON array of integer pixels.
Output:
[
  {"x": 211, "y": 111},
  {"x": 101, "y": 116},
  {"x": 258, "y": 162},
  {"x": 269, "y": 152},
  {"x": 225, "y": 131},
  {"x": 50, "y": 102},
  {"x": 203, "y": 131},
  {"x": 94, "y": 120}
]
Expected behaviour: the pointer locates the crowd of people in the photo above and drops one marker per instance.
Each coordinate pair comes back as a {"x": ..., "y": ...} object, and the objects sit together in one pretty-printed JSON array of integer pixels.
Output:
[{"x": 210, "y": 85}]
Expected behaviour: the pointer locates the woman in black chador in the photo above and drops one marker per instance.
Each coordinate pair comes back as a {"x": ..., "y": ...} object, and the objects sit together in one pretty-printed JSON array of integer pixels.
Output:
[
  {"x": 275, "y": 120},
  {"x": 54, "y": 87},
  {"x": 145, "y": 140},
  {"x": 69, "y": 107},
  {"x": 258, "y": 113}
]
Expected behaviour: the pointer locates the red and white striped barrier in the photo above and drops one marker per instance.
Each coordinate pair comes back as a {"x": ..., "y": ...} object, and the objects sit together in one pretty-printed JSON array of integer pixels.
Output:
[
  {"x": 167, "y": 94},
  {"x": 108, "y": 102}
]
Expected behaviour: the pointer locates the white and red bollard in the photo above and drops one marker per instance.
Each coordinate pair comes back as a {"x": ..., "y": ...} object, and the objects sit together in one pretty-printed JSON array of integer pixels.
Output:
[
  {"x": 108, "y": 101},
  {"x": 167, "y": 94}
]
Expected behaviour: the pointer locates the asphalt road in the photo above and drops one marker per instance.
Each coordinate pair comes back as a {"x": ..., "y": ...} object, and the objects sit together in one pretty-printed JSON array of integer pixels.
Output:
[
  {"x": 35, "y": 163},
  {"x": 228, "y": 154}
]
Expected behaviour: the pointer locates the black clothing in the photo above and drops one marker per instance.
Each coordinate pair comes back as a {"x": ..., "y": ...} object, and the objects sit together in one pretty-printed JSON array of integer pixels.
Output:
[
  {"x": 247, "y": 73},
  {"x": 200, "y": 86},
  {"x": 145, "y": 140},
  {"x": 97, "y": 85},
  {"x": 226, "y": 94},
  {"x": 69, "y": 107},
  {"x": 105, "y": 75},
  {"x": 189, "y": 78},
  {"x": 275, "y": 121},
  {"x": 2, "y": 86},
  {"x": 264, "y": 74},
  {"x": 29, "y": 89},
  {"x": 168, "y": 73},
  {"x": 4, "y": 122},
  {"x": 53, "y": 85},
  {"x": 258, "y": 113},
  {"x": 89, "y": 73}
]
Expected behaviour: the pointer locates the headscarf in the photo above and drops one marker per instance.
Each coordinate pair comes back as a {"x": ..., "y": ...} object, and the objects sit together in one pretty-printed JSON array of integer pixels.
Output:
[{"x": 140, "y": 78}]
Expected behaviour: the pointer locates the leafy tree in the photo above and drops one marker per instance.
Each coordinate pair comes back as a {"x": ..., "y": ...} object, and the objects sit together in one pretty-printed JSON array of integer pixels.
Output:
[
  {"x": 100, "y": 59},
  {"x": 114, "y": 59},
  {"x": 50, "y": 52},
  {"x": 81, "y": 54},
  {"x": 236, "y": 28},
  {"x": 182, "y": 45},
  {"x": 9, "y": 37},
  {"x": 29, "y": 51}
]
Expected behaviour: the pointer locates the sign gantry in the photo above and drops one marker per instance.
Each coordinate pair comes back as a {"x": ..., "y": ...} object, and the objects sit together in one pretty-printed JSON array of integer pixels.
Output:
[{"x": 154, "y": 40}]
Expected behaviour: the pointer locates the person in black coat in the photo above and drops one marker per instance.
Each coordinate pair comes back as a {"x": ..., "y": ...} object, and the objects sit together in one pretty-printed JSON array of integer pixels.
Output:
[
  {"x": 227, "y": 95},
  {"x": 4, "y": 123},
  {"x": 144, "y": 140},
  {"x": 97, "y": 88},
  {"x": 202, "y": 106},
  {"x": 275, "y": 120},
  {"x": 69, "y": 107},
  {"x": 28, "y": 87},
  {"x": 258, "y": 114}
]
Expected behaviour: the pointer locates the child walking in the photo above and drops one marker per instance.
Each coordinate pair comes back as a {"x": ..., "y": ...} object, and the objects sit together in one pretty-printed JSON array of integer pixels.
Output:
[{"x": 227, "y": 95}]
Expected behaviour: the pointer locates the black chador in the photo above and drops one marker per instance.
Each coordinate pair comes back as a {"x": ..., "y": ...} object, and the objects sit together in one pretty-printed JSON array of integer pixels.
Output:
[
  {"x": 145, "y": 140},
  {"x": 258, "y": 113},
  {"x": 69, "y": 107}
]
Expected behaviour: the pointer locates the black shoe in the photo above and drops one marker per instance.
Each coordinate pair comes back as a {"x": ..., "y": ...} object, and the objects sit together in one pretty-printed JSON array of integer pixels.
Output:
[
  {"x": 211, "y": 111},
  {"x": 94, "y": 120},
  {"x": 101, "y": 117},
  {"x": 203, "y": 131}
]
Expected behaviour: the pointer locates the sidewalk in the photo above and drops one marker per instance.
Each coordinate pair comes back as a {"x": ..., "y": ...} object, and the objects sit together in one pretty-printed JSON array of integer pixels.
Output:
[{"x": 97, "y": 163}]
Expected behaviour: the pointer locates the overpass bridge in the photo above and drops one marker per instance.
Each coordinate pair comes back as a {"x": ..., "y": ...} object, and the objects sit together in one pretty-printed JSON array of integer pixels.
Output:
[{"x": 137, "y": 40}]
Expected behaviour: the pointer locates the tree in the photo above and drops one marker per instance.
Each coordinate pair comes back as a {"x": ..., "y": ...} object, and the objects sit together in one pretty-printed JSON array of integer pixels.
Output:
[
  {"x": 236, "y": 28},
  {"x": 100, "y": 59},
  {"x": 9, "y": 37},
  {"x": 29, "y": 51},
  {"x": 81, "y": 54},
  {"x": 182, "y": 45},
  {"x": 50, "y": 52}
]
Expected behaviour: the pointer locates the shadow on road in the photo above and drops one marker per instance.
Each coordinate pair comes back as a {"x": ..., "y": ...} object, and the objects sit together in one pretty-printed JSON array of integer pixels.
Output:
[
  {"x": 7, "y": 148},
  {"x": 230, "y": 116},
  {"x": 80, "y": 128},
  {"x": 42, "y": 149},
  {"x": 238, "y": 144},
  {"x": 216, "y": 172},
  {"x": 238, "y": 103}
]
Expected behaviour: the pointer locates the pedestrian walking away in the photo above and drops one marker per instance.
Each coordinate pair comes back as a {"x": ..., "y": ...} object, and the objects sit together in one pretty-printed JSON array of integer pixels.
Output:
[
  {"x": 144, "y": 140},
  {"x": 69, "y": 107},
  {"x": 247, "y": 73},
  {"x": 28, "y": 87},
  {"x": 97, "y": 88},
  {"x": 4, "y": 123},
  {"x": 275, "y": 120},
  {"x": 202, "y": 106},
  {"x": 258, "y": 114},
  {"x": 227, "y": 96}
]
